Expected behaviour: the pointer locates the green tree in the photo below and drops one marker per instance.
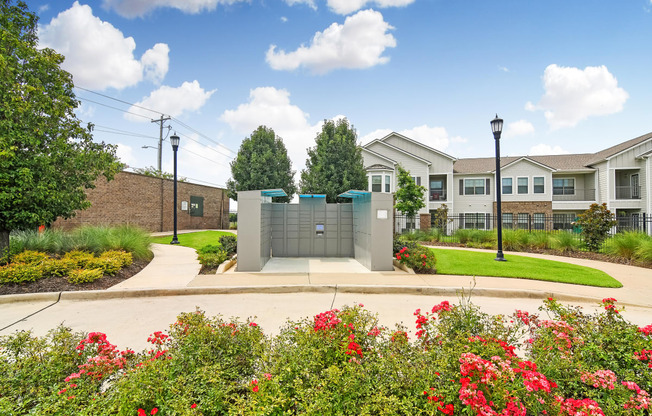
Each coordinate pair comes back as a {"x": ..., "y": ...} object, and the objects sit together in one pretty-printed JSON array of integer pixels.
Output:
[
  {"x": 595, "y": 223},
  {"x": 155, "y": 173},
  {"x": 409, "y": 195},
  {"x": 47, "y": 158},
  {"x": 334, "y": 165},
  {"x": 262, "y": 163}
]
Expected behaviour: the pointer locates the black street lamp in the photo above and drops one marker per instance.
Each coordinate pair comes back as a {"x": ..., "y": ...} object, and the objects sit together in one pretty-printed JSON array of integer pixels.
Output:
[
  {"x": 174, "y": 141},
  {"x": 496, "y": 129}
]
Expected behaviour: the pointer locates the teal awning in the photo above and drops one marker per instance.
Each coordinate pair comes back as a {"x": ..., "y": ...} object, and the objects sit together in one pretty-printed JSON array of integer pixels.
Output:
[
  {"x": 273, "y": 192},
  {"x": 352, "y": 193},
  {"x": 312, "y": 196}
]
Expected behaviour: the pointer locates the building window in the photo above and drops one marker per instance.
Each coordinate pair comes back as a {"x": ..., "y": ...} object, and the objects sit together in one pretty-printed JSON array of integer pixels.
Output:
[
  {"x": 437, "y": 190},
  {"x": 376, "y": 183},
  {"x": 538, "y": 185},
  {"x": 563, "y": 186},
  {"x": 523, "y": 221},
  {"x": 522, "y": 185},
  {"x": 388, "y": 181},
  {"x": 475, "y": 221},
  {"x": 507, "y": 186},
  {"x": 563, "y": 221},
  {"x": 473, "y": 186},
  {"x": 508, "y": 220},
  {"x": 539, "y": 221},
  {"x": 417, "y": 180}
]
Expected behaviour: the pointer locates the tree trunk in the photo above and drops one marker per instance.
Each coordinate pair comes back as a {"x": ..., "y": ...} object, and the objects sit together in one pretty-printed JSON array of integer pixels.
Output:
[{"x": 4, "y": 243}]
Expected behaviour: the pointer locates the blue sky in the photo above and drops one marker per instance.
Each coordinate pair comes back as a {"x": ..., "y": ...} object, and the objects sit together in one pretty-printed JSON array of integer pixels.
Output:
[{"x": 567, "y": 76}]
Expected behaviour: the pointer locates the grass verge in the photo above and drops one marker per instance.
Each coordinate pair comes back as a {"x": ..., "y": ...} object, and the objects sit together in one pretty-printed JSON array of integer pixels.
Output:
[
  {"x": 193, "y": 240},
  {"x": 473, "y": 263}
]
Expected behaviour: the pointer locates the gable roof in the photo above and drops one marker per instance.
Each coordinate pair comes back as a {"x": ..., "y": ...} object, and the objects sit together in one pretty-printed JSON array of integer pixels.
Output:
[
  {"x": 614, "y": 150},
  {"x": 364, "y": 149},
  {"x": 418, "y": 144},
  {"x": 378, "y": 166},
  {"x": 557, "y": 163},
  {"x": 398, "y": 149},
  {"x": 525, "y": 158}
]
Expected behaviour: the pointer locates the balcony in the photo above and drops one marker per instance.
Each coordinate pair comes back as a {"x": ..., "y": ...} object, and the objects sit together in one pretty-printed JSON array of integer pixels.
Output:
[
  {"x": 628, "y": 192},
  {"x": 437, "y": 195},
  {"x": 572, "y": 194}
]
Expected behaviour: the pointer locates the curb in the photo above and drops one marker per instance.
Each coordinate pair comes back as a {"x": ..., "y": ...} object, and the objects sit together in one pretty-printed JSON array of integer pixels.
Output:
[{"x": 92, "y": 295}]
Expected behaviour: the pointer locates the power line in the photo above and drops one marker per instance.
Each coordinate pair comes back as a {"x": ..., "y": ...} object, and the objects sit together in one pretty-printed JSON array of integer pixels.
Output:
[
  {"x": 115, "y": 108},
  {"x": 119, "y": 100},
  {"x": 208, "y": 147}
]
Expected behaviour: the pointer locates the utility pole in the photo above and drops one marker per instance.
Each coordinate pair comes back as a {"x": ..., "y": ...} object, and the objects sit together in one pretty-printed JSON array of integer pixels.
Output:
[{"x": 160, "y": 140}]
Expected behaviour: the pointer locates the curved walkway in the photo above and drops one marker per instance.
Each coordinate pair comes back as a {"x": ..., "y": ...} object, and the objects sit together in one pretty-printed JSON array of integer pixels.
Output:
[{"x": 151, "y": 300}]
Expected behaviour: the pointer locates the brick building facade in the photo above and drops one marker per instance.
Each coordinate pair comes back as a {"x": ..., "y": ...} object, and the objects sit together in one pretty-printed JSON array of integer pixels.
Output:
[{"x": 146, "y": 201}]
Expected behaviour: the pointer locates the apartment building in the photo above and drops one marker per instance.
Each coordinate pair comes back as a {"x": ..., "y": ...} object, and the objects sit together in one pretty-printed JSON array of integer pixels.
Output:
[{"x": 534, "y": 188}]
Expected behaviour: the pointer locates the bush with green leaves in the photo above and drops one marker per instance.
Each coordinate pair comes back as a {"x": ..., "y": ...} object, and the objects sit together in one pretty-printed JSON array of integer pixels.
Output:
[
  {"x": 418, "y": 258},
  {"x": 81, "y": 276},
  {"x": 211, "y": 255},
  {"x": 20, "y": 273},
  {"x": 565, "y": 241},
  {"x": 626, "y": 245},
  {"x": 229, "y": 244},
  {"x": 595, "y": 222},
  {"x": 81, "y": 258},
  {"x": 560, "y": 361}
]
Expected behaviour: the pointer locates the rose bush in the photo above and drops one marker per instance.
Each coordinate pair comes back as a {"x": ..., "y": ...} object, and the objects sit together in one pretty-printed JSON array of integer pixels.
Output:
[{"x": 557, "y": 361}]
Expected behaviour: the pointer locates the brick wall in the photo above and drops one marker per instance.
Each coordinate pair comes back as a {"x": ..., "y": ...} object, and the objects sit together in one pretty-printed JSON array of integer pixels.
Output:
[
  {"x": 147, "y": 202},
  {"x": 526, "y": 207}
]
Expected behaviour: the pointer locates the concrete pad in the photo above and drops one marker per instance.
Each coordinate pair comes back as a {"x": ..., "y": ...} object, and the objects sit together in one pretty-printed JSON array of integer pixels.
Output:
[
  {"x": 402, "y": 279},
  {"x": 249, "y": 279},
  {"x": 313, "y": 265}
]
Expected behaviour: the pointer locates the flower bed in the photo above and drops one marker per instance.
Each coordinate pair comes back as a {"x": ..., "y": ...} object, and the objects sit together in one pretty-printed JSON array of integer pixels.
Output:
[{"x": 559, "y": 361}]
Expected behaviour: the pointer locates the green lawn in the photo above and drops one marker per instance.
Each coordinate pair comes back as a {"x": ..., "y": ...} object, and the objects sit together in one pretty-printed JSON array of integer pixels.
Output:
[
  {"x": 473, "y": 263},
  {"x": 194, "y": 240}
]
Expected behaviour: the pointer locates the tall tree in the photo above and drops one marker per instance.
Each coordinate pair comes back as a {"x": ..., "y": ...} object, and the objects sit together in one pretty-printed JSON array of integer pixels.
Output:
[
  {"x": 409, "y": 195},
  {"x": 335, "y": 164},
  {"x": 262, "y": 163},
  {"x": 47, "y": 158}
]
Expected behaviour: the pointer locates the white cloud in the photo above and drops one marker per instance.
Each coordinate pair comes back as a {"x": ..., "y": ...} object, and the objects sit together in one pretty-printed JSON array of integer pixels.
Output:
[
  {"x": 97, "y": 54},
  {"x": 435, "y": 137},
  {"x": 136, "y": 8},
  {"x": 207, "y": 162},
  {"x": 572, "y": 95},
  {"x": 350, "y": 6},
  {"x": 190, "y": 96},
  {"x": 44, "y": 8},
  {"x": 546, "y": 149},
  {"x": 503, "y": 68},
  {"x": 284, "y": 19},
  {"x": 309, "y": 3},
  {"x": 126, "y": 154},
  {"x": 518, "y": 128},
  {"x": 358, "y": 43},
  {"x": 271, "y": 107}
]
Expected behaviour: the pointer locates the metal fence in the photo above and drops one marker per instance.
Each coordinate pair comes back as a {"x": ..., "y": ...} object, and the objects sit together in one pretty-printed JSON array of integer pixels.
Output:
[{"x": 555, "y": 223}]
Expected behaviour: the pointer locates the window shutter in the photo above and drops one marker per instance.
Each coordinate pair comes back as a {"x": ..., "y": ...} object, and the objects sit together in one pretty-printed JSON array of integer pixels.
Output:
[
  {"x": 488, "y": 187},
  {"x": 461, "y": 221},
  {"x": 461, "y": 186},
  {"x": 488, "y": 222}
]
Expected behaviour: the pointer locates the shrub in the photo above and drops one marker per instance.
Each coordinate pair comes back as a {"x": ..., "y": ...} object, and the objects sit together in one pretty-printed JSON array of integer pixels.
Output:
[
  {"x": 81, "y": 258},
  {"x": 58, "y": 267},
  {"x": 125, "y": 258},
  {"x": 30, "y": 257},
  {"x": 419, "y": 258},
  {"x": 108, "y": 265},
  {"x": 210, "y": 249},
  {"x": 20, "y": 273},
  {"x": 80, "y": 276},
  {"x": 539, "y": 240},
  {"x": 229, "y": 244},
  {"x": 212, "y": 260},
  {"x": 463, "y": 235},
  {"x": 595, "y": 223}
]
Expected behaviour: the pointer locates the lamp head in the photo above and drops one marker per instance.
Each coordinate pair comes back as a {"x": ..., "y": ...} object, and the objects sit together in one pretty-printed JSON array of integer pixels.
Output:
[
  {"x": 174, "y": 141},
  {"x": 497, "y": 125}
]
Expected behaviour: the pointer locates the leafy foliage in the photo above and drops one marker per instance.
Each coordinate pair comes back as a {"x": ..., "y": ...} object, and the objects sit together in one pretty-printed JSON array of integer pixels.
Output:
[
  {"x": 335, "y": 164},
  {"x": 229, "y": 244},
  {"x": 155, "y": 173},
  {"x": 47, "y": 159},
  {"x": 84, "y": 275},
  {"x": 262, "y": 163},
  {"x": 409, "y": 195},
  {"x": 418, "y": 258},
  {"x": 595, "y": 223}
]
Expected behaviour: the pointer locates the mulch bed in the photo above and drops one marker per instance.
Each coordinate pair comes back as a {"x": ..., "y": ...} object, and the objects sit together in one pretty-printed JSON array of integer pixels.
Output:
[
  {"x": 60, "y": 284},
  {"x": 586, "y": 255}
]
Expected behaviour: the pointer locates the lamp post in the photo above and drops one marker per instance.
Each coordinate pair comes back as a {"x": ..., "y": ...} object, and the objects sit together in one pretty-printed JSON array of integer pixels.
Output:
[
  {"x": 174, "y": 141},
  {"x": 496, "y": 129}
]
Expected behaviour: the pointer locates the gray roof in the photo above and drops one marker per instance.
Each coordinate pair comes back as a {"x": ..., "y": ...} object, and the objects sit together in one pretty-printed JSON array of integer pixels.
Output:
[
  {"x": 565, "y": 163},
  {"x": 604, "y": 154}
]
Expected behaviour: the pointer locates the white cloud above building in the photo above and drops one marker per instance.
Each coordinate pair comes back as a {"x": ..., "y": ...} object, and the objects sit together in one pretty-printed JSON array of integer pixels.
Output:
[
  {"x": 358, "y": 43},
  {"x": 139, "y": 8},
  {"x": 98, "y": 55},
  {"x": 172, "y": 101},
  {"x": 573, "y": 95}
]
